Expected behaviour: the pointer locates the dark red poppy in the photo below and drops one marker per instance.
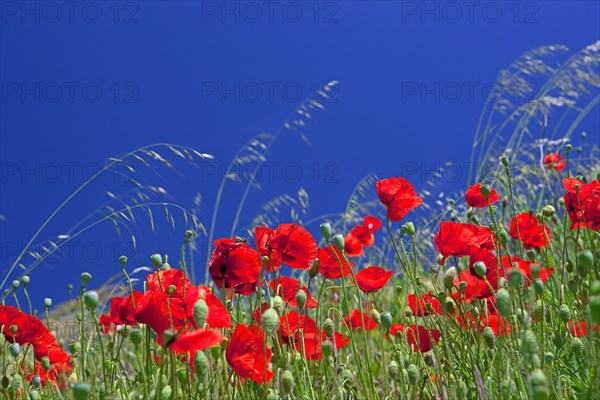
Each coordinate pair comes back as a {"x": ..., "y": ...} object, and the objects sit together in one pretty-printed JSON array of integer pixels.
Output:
[
  {"x": 288, "y": 287},
  {"x": 424, "y": 305},
  {"x": 248, "y": 355},
  {"x": 234, "y": 265},
  {"x": 475, "y": 199},
  {"x": 371, "y": 279},
  {"x": 289, "y": 243},
  {"x": 357, "y": 321},
  {"x": 361, "y": 235},
  {"x": 198, "y": 339},
  {"x": 554, "y": 161},
  {"x": 456, "y": 239},
  {"x": 583, "y": 206},
  {"x": 530, "y": 231},
  {"x": 399, "y": 196},
  {"x": 332, "y": 264}
]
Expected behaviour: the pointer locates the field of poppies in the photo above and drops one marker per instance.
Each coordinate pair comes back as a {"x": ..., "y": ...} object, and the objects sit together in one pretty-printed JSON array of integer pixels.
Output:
[{"x": 494, "y": 296}]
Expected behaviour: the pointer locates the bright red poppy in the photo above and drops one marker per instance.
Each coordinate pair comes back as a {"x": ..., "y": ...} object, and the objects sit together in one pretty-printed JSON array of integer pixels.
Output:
[
  {"x": 122, "y": 309},
  {"x": 246, "y": 353},
  {"x": 525, "y": 267},
  {"x": 371, "y": 279},
  {"x": 457, "y": 239},
  {"x": 529, "y": 230},
  {"x": 234, "y": 265},
  {"x": 554, "y": 161},
  {"x": 399, "y": 196},
  {"x": 332, "y": 264},
  {"x": 217, "y": 317},
  {"x": 583, "y": 206},
  {"x": 357, "y": 321},
  {"x": 288, "y": 287},
  {"x": 420, "y": 338},
  {"x": 475, "y": 199},
  {"x": 289, "y": 244},
  {"x": 198, "y": 339},
  {"x": 424, "y": 305},
  {"x": 499, "y": 326},
  {"x": 361, "y": 235},
  {"x": 478, "y": 288}
]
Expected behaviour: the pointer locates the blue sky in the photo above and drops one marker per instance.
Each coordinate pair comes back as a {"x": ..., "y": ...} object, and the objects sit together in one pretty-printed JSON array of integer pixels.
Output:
[{"x": 85, "y": 81}]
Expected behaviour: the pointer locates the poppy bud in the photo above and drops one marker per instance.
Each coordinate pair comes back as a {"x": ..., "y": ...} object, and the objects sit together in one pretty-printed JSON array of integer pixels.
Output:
[
  {"x": 14, "y": 349},
  {"x": 123, "y": 261},
  {"x": 595, "y": 309},
  {"x": 270, "y": 321},
  {"x": 386, "y": 320},
  {"x": 34, "y": 394},
  {"x": 451, "y": 202},
  {"x": 538, "y": 286},
  {"x": 166, "y": 266},
  {"x": 449, "y": 305},
  {"x": 504, "y": 161},
  {"x": 314, "y": 268},
  {"x": 278, "y": 304},
  {"x": 47, "y": 302},
  {"x": 572, "y": 285},
  {"x": 73, "y": 348},
  {"x": 200, "y": 363},
  {"x": 462, "y": 285},
  {"x": 15, "y": 285},
  {"x": 376, "y": 316},
  {"x": 595, "y": 288},
  {"x": 287, "y": 382},
  {"x": 485, "y": 191},
  {"x": 480, "y": 269},
  {"x": 503, "y": 237},
  {"x": 156, "y": 260},
  {"x": 91, "y": 299},
  {"x": 338, "y": 240},
  {"x": 329, "y": 328},
  {"x": 586, "y": 261},
  {"x": 413, "y": 374},
  {"x": 503, "y": 302},
  {"x": 326, "y": 230},
  {"x": 538, "y": 310},
  {"x": 409, "y": 228},
  {"x": 548, "y": 211},
  {"x": 449, "y": 276},
  {"x": 577, "y": 345},
  {"x": 529, "y": 342},
  {"x": 393, "y": 369},
  {"x": 25, "y": 280},
  {"x": 188, "y": 235},
  {"x": 166, "y": 392},
  {"x": 36, "y": 381},
  {"x": 549, "y": 357},
  {"x": 301, "y": 299},
  {"x": 172, "y": 289},
  {"x": 81, "y": 391},
  {"x": 85, "y": 278},
  {"x": 515, "y": 277},
  {"x": 200, "y": 312},
  {"x": 564, "y": 313},
  {"x": 327, "y": 348},
  {"x": 538, "y": 384},
  {"x": 504, "y": 202},
  {"x": 475, "y": 220},
  {"x": 531, "y": 255},
  {"x": 489, "y": 337}
]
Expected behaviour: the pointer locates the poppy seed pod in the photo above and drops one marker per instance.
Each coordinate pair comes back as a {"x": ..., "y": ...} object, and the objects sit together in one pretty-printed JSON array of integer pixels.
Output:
[
  {"x": 386, "y": 320},
  {"x": 81, "y": 391},
  {"x": 538, "y": 286},
  {"x": 450, "y": 305},
  {"x": 172, "y": 289},
  {"x": 156, "y": 260},
  {"x": 91, "y": 299},
  {"x": 393, "y": 369},
  {"x": 338, "y": 240},
  {"x": 200, "y": 312},
  {"x": 15, "y": 284},
  {"x": 577, "y": 345},
  {"x": 538, "y": 383},
  {"x": 329, "y": 328},
  {"x": 489, "y": 337},
  {"x": 409, "y": 228},
  {"x": 123, "y": 260},
  {"x": 14, "y": 349},
  {"x": 480, "y": 269},
  {"x": 45, "y": 361},
  {"x": 503, "y": 236},
  {"x": 548, "y": 211},
  {"x": 326, "y": 230},
  {"x": 287, "y": 381},
  {"x": 564, "y": 313},
  {"x": 504, "y": 161},
  {"x": 529, "y": 343},
  {"x": 136, "y": 336},
  {"x": 585, "y": 261},
  {"x": 301, "y": 299},
  {"x": 25, "y": 280},
  {"x": 503, "y": 302},
  {"x": 47, "y": 302},
  {"x": 270, "y": 321},
  {"x": 413, "y": 374},
  {"x": 462, "y": 285},
  {"x": 85, "y": 278},
  {"x": 485, "y": 191}
]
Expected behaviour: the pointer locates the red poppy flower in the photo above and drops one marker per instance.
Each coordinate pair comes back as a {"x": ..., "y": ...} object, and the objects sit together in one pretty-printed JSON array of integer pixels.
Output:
[
  {"x": 289, "y": 243},
  {"x": 158, "y": 311},
  {"x": 371, "y": 279},
  {"x": 530, "y": 231},
  {"x": 554, "y": 162},
  {"x": 354, "y": 321},
  {"x": 583, "y": 207},
  {"x": 234, "y": 265},
  {"x": 198, "y": 339},
  {"x": 288, "y": 288},
  {"x": 456, "y": 239},
  {"x": 478, "y": 288},
  {"x": 396, "y": 328},
  {"x": 361, "y": 235},
  {"x": 499, "y": 326},
  {"x": 525, "y": 267},
  {"x": 122, "y": 311},
  {"x": 330, "y": 267},
  {"x": 475, "y": 199},
  {"x": 420, "y": 338},
  {"x": 258, "y": 312},
  {"x": 217, "y": 317},
  {"x": 399, "y": 196},
  {"x": 419, "y": 305},
  {"x": 246, "y": 352}
]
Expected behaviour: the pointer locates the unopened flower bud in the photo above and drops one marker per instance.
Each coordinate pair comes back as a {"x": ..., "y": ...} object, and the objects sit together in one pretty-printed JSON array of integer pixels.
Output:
[
  {"x": 338, "y": 240},
  {"x": 15, "y": 349},
  {"x": 156, "y": 260},
  {"x": 577, "y": 345},
  {"x": 503, "y": 302},
  {"x": 529, "y": 342},
  {"x": 485, "y": 191},
  {"x": 85, "y": 278},
  {"x": 548, "y": 211},
  {"x": 450, "y": 305},
  {"x": 327, "y": 348},
  {"x": 172, "y": 289},
  {"x": 81, "y": 391},
  {"x": 278, "y": 304},
  {"x": 538, "y": 286},
  {"x": 200, "y": 312},
  {"x": 504, "y": 161},
  {"x": 489, "y": 337},
  {"x": 47, "y": 302},
  {"x": 15, "y": 284},
  {"x": 449, "y": 276},
  {"x": 329, "y": 328},
  {"x": 301, "y": 299},
  {"x": 386, "y": 320},
  {"x": 480, "y": 269},
  {"x": 376, "y": 316},
  {"x": 413, "y": 374},
  {"x": 91, "y": 299},
  {"x": 538, "y": 383},
  {"x": 462, "y": 285},
  {"x": 45, "y": 361},
  {"x": 504, "y": 202},
  {"x": 270, "y": 321},
  {"x": 25, "y": 280},
  {"x": 314, "y": 268},
  {"x": 585, "y": 261},
  {"x": 188, "y": 235},
  {"x": 287, "y": 382},
  {"x": 326, "y": 230},
  {"x": 595, "y": 309},
  {"x": 409, "y": 228},
  {"x": 200, "y": 364}
]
